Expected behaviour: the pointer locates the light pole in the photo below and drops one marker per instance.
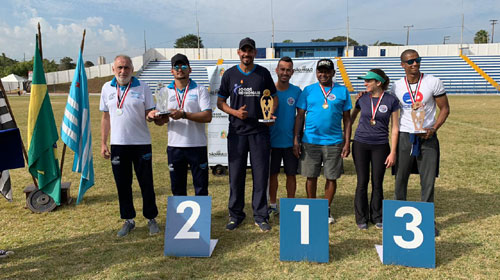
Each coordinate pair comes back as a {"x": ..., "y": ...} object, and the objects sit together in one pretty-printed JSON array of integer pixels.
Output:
[
  {"x": 197, "y": 28},
  {"x": 272, "y": 23},
  {"x": 347, "y": 39},
  {"x": 408, "y": 32},
  {"x": 445, "y": 38},
  {"x": 493, "y": 22}
]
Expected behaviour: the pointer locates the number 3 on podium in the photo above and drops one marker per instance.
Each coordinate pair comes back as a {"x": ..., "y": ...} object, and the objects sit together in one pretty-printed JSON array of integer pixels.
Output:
[{"x": 408, "y": 236}]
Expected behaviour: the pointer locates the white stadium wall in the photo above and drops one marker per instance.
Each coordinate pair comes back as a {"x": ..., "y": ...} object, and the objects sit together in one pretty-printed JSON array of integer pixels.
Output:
[{"x": 231, "y": 54}]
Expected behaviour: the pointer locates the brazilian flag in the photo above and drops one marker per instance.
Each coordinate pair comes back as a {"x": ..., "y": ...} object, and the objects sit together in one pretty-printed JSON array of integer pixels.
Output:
[{"x": 42, "y": 135}]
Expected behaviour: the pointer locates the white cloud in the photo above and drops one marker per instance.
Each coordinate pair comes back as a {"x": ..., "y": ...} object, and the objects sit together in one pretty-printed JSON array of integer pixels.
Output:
[{"x": 62, "y": 40}]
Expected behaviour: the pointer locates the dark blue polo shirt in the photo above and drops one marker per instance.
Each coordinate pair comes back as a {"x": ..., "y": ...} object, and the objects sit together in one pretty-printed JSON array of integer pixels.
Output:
[{"x": 246, "y": 89}]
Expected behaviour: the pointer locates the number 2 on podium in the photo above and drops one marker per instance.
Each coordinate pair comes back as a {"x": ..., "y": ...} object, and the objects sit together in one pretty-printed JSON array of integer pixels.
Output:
[{"x": 184, "y": 232}]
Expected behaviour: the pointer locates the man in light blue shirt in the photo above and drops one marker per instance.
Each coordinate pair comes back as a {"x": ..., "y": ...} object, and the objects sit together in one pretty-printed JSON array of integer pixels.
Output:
[
  {"x": 282, "y": 134},
  {"x": 328, "y": 105}
]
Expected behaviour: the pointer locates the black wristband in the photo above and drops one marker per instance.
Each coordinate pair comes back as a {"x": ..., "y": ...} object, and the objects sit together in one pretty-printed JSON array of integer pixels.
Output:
[{"x": 183, "y": 114}]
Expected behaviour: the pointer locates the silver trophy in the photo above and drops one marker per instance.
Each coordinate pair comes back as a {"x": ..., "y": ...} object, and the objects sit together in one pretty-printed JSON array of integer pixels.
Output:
[{"x": 161, "y": 98}]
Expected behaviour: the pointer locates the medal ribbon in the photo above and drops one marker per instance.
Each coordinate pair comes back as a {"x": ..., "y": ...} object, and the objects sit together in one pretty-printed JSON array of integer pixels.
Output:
[
  {"x": 413, "y": 96},
  {"x": 374, "y": 110},
  {"x": 325, "y": 94},
  {"x": 177, "y": 96},
  {"x": 121, "y": 100}
]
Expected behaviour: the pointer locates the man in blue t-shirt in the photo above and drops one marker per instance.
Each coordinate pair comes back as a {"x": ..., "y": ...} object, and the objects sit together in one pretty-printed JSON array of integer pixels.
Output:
[
  {"x": 327, "y": 106},
  {"x": 282, "y": 134},
  {"x": 245, "y": 84}
]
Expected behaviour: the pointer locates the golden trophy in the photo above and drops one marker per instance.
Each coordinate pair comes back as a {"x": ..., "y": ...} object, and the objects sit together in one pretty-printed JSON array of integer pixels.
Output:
[
  {"x": 266, "y": 104},
  {"x": 418, "y": 117}
]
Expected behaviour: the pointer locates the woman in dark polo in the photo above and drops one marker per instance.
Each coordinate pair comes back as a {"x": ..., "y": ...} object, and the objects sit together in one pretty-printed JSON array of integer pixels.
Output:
[{"x": 371, "y": 145}]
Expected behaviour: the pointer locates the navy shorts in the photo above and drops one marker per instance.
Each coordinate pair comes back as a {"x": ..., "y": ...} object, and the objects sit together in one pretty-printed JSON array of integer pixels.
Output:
[{"x": 290, "y": 162}]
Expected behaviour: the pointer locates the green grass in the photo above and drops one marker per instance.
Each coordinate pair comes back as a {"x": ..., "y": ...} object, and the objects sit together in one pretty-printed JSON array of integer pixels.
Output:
[{"x": 79, "y": 242}]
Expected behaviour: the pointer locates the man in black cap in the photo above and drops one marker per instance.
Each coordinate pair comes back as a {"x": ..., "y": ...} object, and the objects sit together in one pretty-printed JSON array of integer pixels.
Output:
[
  {"x": 322, "y": 142},
  {"x": 189, "y": 107},
  {"x": 245, "y": 84}
]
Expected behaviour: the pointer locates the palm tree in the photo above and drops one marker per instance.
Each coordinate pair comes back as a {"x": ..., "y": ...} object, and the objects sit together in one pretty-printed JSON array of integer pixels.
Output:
[{"x": 481, "y": 37}]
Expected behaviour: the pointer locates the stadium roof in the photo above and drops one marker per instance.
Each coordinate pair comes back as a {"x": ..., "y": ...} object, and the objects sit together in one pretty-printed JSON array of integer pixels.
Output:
[{"x": 309, "y": 44}]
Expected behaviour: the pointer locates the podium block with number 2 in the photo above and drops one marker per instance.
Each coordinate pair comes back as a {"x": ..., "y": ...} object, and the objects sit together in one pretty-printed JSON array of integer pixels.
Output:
[
  {"x": 187, "y": 228},
  {"x": 408, "y": 237},
  {"x": 304, "y": 230}
]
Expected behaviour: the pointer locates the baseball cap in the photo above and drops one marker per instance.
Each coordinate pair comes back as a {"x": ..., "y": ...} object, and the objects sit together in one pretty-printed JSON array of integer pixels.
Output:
[
  {"x": 372, "y": 76},
  {"x": 325, "y": 63},
  {"x": 179, "y": 59},
  {"x": 247, "y": 42}
]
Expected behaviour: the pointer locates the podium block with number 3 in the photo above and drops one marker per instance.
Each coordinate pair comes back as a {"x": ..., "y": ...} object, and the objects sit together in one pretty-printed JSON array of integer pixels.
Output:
[
  {"x": 304, "y": 230},
  {"x": 408, "y": 237},
  {"x": 187, "y": 228}
]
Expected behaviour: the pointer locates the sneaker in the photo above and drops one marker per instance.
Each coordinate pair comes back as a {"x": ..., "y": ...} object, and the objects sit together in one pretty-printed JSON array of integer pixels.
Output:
[
  {"x": 331, "y": 220},
  {"x": 273, "y": 211},
  {"x": 264, "y": 226},
  {"x": 232, "y": 225},
  {"x": 5, "y": 254},
  {"x": 379, "y": 225},
  {"x": 126, "y": 228},
  {"x": 436, "y": 231},
  {"x": 363, "y": 226},
  {"x": 153, "y": 227}
]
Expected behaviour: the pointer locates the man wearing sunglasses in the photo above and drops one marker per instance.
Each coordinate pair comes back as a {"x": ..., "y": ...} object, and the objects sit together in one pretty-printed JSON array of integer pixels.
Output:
[
  {"x": 245, "y": 84},
  {"x": 418, "y": 146},
  {"x": 189, "y": 110}
]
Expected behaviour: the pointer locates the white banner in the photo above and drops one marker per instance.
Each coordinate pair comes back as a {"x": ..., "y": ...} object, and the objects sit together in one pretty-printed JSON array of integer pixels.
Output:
[{"x": 304, "y": 75}]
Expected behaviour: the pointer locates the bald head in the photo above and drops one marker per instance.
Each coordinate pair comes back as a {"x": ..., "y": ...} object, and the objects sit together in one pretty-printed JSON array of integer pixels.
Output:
[{"x": 407, "y": 52}]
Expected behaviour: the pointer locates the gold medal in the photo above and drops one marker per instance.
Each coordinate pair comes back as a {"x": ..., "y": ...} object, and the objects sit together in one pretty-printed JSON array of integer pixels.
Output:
[
  {"x": 373, "y": 122},
  {"x": 417, "y": 105},
  {"x": 325, "y": 106}
]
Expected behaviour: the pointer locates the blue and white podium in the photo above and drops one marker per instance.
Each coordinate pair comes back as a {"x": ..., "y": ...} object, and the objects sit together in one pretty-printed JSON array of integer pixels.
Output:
[
  {"x": 187, "y": 227},
  {"x": 304, "y": 230},
  {"x": 408, "y": 234}
]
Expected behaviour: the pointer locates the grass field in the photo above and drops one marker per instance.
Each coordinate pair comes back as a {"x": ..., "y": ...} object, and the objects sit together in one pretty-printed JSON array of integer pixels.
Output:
[{"x": 79, "y": 242}]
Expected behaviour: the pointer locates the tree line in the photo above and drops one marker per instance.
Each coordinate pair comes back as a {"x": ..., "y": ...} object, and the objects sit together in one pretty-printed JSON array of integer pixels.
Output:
[{"x": 21, "y": 68}]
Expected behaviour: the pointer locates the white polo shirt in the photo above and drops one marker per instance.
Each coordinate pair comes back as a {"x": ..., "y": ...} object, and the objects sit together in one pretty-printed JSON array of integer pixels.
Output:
[
  {"x": 430, "y": 88},
  {"x": 183, "y": 132},
  {"x": 129, "y": 128}
]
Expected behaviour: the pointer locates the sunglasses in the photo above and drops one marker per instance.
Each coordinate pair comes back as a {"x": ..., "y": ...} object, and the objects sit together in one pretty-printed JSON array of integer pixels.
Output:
[
  {"x": 181, "y": 67},
  {"x": 411, "y": 61}
]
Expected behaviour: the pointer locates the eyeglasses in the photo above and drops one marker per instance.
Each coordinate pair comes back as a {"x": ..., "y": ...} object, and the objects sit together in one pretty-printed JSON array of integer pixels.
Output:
[
  {"x": 181, "y": 67},
  {"x": 411, "y": 61}
]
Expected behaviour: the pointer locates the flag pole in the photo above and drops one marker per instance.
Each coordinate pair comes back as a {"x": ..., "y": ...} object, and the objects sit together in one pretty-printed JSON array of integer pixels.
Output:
[
  {"x": 15, "y": 123},
  {"x": 64, "y": 146}
]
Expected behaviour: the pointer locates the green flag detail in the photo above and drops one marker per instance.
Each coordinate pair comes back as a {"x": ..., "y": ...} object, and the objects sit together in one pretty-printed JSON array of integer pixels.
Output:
[{"x": 42, "y": 135}]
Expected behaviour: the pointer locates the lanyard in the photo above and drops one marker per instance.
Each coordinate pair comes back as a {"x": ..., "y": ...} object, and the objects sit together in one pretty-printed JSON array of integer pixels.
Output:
[
  {"x": 325, "y": 94},
  {"x": 178, "y": 97},
  {"x": 413, "y": 95},
  {"x": 121, "y": 100},
  {"x": 374, "y": 110}
]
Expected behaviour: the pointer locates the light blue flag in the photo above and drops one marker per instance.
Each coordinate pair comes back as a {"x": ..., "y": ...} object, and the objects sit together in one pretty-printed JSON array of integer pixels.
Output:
[{"x": 75, "y": 129}]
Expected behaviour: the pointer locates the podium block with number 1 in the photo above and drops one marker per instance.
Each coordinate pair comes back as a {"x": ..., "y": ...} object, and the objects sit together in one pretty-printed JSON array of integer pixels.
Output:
[{"x": 304, "y": 230}]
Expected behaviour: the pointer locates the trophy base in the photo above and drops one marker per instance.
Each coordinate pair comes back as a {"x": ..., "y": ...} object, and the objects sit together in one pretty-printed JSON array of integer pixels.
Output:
[
  {"x": 420, "y": 132},
  {"x": 162, "y": 113},
  {"x": 266, "y": 121}
]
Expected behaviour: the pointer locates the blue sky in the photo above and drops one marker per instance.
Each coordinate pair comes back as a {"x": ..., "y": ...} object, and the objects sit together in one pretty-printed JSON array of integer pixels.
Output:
[{"x": 115, "y": 27}]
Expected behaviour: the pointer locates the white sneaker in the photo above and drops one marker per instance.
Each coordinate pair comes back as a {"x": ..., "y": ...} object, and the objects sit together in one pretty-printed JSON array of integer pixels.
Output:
[{"x": 331, "y": 220}]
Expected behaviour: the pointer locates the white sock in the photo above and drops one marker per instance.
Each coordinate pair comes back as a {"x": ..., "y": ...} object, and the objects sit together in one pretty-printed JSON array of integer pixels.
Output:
[
  {"x": 273, "y": 205},
  {"x": 131, "y": 221}
]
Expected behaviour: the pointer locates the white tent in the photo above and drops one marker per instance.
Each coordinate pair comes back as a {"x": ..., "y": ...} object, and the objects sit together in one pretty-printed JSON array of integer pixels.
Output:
[{"x": 13, "y": 82}]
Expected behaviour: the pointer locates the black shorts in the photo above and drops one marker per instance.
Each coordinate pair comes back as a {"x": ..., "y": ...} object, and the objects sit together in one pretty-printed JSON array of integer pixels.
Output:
[{"x": 290, "y": 162}]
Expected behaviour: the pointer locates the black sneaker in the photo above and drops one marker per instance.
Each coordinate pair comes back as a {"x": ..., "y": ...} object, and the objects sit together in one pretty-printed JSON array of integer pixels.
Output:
[
  {"x": 264, "y": 226},
  {"x": 232, "y": 225},
  {"x": 436, "y": 231},
  {"x": 363, "y": 226},
  {"x": 5, "y": 254}
]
